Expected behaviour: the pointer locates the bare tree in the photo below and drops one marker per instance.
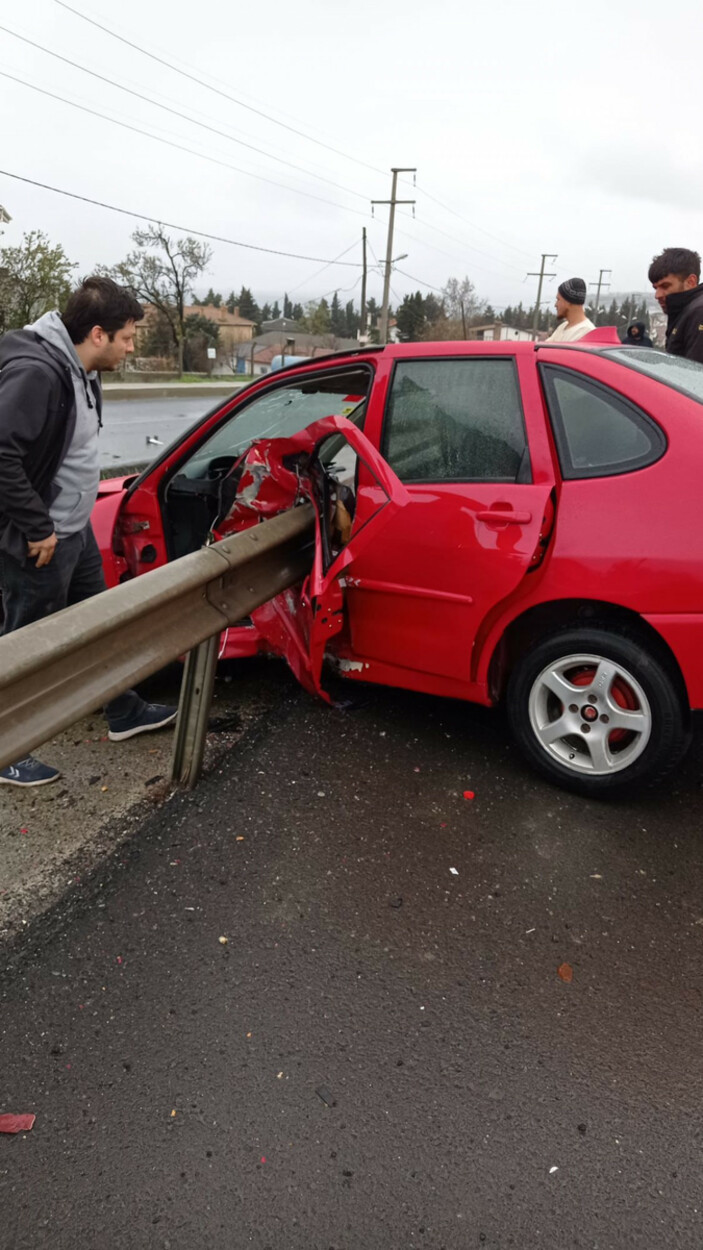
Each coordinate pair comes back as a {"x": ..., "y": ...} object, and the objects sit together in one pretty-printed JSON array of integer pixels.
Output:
[{"x": 161, "y": 272}]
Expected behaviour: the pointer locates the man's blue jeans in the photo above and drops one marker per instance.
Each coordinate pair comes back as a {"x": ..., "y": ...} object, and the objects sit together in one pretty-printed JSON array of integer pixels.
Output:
[{"x": 75, "y": 573}]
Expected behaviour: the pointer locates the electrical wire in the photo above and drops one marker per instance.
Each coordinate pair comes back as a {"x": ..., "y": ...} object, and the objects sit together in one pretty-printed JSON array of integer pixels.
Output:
[
  {"x": 222, "y": 134},
  {"x": 319, "y": 271},
  {"x": 429, "y": 285},
  {"x": 209, "y": 87},
  {"x": 201, "y": 234},
  {"x": 179, "y": 146},
  {"x": 293, "y": 130}
]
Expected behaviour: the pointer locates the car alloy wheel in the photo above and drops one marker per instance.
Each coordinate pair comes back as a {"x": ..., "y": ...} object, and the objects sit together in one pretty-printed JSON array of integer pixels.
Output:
[{"x": 590, "y": 714}]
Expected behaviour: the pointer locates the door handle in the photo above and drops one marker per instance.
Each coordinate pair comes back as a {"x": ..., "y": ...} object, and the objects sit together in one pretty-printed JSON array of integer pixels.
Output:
[{"x": 505, "y": 517}]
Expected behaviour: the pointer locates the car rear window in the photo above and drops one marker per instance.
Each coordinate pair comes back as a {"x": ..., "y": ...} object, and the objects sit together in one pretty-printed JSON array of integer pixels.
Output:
[
  {"x": 597, "y": 432},
  {"x": 683, "y": 375}
]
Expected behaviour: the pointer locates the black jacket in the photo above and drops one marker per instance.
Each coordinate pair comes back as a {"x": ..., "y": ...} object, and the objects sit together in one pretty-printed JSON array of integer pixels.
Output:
[
  {"x": 684, "y": 327},
  {"x": 37, "y": 420},
  {"x": 641, "y": 339}
]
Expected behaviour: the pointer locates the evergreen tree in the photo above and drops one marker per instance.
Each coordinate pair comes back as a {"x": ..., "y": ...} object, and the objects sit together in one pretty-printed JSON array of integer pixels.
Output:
[
  {"x": 248, "y": 306},
  {"x": 352, "y": 320},
  {"x": 411, "y": 318},
  {"x": 275, "y": 312},
  {"x": 296, "y": 312},
  {"x": 213, "y": 298},
  {"x": 231, "y": 303},
  {"x": 287, "y": 308},
  {"x": 338, "y": 320},
  {"x": 266, "y": 313}
]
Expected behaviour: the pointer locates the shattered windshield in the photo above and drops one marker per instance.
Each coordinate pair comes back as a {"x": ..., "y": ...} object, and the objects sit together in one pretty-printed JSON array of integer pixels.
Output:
[
  {"x": 684, "y": 375},
  {"x": 281, "y": 413}
]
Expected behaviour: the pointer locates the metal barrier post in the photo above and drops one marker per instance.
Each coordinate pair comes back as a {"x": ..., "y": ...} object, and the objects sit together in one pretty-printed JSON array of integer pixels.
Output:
[{"x": 194, "y": 704}]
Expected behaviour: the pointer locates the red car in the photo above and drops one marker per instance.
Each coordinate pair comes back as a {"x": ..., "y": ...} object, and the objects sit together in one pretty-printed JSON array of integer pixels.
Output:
[{"x": 495, "y": 522}]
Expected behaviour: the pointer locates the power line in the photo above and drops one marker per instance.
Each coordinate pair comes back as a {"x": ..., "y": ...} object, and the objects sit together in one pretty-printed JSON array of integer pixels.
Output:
[
  {"x": 473, "y": 225},
  {"x": 319, "y": 271},
  {"x": 469, "y": 246},
  {"x": 209, "y": 87},
  {"x": 179, "y": 146},
  {"x": 176, "y": 113},
  {"x": 429, "y": 285},
  {"x": 202, "y": 234}
]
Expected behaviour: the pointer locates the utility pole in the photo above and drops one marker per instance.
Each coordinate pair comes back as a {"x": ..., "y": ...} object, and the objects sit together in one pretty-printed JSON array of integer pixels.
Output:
[
  {"x": 599, "y": 284},
  {"x": 541, "y": 275},
  {"x": 383, "y": 335},
  {"x": 362, "y": 326}
]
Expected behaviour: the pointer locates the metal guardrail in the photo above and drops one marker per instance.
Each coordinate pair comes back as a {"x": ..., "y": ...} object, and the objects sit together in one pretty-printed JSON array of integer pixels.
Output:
[{"x": 60, "y": 668}]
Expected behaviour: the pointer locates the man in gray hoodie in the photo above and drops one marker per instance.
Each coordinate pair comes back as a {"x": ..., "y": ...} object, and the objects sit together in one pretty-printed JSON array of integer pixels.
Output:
[{"x": 50, "y": 417}]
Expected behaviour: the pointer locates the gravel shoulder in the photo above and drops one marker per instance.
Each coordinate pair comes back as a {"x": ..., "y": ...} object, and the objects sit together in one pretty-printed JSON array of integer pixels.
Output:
[{"x": 52, "y": 837}]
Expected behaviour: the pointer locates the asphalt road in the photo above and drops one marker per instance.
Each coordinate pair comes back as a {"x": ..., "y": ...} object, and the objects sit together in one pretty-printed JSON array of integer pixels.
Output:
[
  {"x": 128, "y": 423},
  {"x": 383, "y": 1053}
]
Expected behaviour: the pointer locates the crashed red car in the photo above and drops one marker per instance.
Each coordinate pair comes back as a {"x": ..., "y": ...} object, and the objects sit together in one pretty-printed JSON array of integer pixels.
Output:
[{"x": 495, "y": 522}]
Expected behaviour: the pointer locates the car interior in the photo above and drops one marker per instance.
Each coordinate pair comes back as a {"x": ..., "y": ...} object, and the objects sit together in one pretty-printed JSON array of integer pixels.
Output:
[{"x": 203, "y": 487}]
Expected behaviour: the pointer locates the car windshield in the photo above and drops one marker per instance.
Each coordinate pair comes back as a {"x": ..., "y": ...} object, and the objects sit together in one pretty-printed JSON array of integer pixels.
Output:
[{"x": 683, "y": 375}]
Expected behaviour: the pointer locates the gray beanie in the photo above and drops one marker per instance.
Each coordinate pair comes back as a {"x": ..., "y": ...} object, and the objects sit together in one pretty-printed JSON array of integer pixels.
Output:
[{"x": 573, "y": 291}]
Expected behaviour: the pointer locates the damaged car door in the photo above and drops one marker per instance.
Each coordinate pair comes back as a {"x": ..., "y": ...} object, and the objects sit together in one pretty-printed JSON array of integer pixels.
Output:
[{"x": 321, "y": 464}]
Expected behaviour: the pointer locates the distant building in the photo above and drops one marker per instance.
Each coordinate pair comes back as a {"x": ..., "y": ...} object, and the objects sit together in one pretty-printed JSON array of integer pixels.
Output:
[
  {"x": 496, "y": 332},
  {"x": 256, "y": 357},
  {"x": 233, "y": 330}
]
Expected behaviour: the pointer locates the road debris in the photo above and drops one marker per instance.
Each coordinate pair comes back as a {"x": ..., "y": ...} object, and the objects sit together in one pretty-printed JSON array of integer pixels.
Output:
[
  {"x": 454, "y": 872},
  {"x": 469, "y": 794},
  {"x": 566, "y": 972},
  {"x": 223, "y": 941},
  {"x": 328, "y": 1098},
  {"x": 553, "y": 1170},
  {"x": 16, "y": 1123},
  {"x": 395, "y": 902}
]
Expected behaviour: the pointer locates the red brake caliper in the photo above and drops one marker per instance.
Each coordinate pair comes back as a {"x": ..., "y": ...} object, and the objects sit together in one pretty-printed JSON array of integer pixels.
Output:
[{"x": 621, "y": 693}]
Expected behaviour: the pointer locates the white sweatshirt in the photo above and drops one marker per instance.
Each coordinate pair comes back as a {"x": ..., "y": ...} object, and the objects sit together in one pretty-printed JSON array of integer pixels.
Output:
[{"x": 566, "y": 333}]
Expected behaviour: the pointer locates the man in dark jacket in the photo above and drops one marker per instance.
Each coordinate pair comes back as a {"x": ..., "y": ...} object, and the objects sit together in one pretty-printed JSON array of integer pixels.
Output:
[
  {"x": 676, "y": 278},
  {"x": 50, "y": 415},
  {"x": 637, "y": 336}
]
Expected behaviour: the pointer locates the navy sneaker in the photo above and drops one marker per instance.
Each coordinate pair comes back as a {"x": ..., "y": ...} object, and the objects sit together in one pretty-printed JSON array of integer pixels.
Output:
[
  {"x": 28, "y": 772},
  {"x": 151, "y": 716}
]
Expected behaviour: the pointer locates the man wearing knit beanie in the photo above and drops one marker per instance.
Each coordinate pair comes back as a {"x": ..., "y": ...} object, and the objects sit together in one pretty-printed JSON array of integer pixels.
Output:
[{"x": 573, "y": 324}]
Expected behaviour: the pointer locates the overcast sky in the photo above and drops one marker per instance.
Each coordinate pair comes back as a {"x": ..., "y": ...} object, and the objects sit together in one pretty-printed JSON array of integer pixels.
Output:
[{"x": 533, "y": 127}]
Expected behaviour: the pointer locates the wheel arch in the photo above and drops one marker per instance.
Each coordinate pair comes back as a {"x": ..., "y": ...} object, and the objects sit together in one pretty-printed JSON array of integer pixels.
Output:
[{"x": 543, "y": 618}]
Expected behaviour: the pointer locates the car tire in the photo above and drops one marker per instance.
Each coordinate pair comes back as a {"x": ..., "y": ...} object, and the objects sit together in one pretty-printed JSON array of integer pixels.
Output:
[{"x": 598, "y": 710}]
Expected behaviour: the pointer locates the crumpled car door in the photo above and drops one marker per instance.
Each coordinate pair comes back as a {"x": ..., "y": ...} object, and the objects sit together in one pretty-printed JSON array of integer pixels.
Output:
[{"x": 278, "y": 474}]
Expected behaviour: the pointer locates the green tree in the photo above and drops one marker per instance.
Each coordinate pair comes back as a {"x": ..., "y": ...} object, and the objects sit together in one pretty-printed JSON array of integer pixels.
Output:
[
  {"x": 317, "y": 318},
  {"x": 35, "y": 277},
  {"x": 338, "y": 319},
  {"x": 231, "y": 303},
  {"x": 287, "y": 307},
  {"x": 212, "y": 298},
  {"x": 352, "y": 320},
  {"x": 265, "y": 313},
  {"x": 275, "y": 311},
  {"x": 248, "y": 306},
  {"x": 411, "y": 319},
  {"x": 200, "y": 333},
  {"x": 161, "y": 271},
  {"x": 296, "y": 312}
]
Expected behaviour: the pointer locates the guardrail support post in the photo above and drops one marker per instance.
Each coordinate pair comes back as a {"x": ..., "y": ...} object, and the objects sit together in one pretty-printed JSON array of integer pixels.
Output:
[{"x": 197, "y": 685}]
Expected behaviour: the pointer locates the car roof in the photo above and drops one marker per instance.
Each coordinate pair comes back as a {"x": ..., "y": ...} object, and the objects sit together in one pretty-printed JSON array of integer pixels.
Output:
[{"x": 605, "y": 336}]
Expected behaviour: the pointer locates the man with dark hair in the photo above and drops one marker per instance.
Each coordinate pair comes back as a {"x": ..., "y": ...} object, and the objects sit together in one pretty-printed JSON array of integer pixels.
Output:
[
  {"x": 50, "y": 416},
  {"x": 573, "y": 322},
  {"x": 676, "y": 277}
]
